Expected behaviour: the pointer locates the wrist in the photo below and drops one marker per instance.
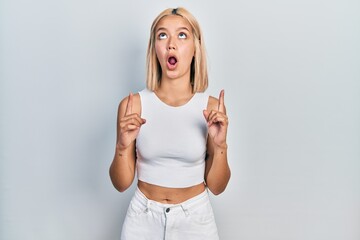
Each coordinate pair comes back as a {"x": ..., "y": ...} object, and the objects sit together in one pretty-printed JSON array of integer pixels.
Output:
[
  {"x": 222, "y": 146},
  {"x": 220, "y": 152},
  {"x": 121, "y": 148}
]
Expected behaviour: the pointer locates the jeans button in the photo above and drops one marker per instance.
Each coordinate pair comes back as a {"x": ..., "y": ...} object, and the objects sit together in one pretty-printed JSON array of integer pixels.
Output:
[{"x": 167, "y": 210}]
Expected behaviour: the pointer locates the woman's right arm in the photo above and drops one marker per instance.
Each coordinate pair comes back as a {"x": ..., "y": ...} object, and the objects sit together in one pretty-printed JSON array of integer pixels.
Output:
[{"x": 122, "y": 169}]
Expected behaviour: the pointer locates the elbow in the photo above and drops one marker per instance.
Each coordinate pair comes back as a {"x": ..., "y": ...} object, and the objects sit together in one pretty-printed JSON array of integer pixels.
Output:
[
  {"x": 217, "y": 190},
  {"x": 120, "y": 184},
  {"x": 218, "y": 187},
  {"x": 121, "y": 188}
]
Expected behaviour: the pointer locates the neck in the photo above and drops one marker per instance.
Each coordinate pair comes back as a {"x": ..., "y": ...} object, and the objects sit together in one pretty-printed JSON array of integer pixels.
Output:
[
  {"x": 176, "y": 87},
  {"x": 175, "y": 92}
]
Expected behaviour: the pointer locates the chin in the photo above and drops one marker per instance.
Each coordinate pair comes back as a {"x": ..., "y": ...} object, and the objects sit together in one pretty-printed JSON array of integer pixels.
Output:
[{"x": 172, "y": 75}]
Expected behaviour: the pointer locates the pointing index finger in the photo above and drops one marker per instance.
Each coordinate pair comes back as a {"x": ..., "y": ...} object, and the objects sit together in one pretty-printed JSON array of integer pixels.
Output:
[
  {"x": 129, "y": 104},
  {"x": 221, "y": 106}
]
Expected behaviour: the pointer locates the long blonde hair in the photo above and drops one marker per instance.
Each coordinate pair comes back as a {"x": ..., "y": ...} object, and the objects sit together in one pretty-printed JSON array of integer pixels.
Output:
[{"x": 198, "y": 72}]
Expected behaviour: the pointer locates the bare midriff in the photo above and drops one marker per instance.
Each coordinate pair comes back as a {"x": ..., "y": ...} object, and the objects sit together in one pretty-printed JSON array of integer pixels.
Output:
[{"x": 169, "y": 195}]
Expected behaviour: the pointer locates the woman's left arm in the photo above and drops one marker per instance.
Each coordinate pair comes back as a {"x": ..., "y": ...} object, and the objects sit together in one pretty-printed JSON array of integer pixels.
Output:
[{"x": 217, "y": 171}]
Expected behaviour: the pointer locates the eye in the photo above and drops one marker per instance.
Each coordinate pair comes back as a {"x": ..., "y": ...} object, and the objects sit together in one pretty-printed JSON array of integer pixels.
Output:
[
  {"x": 162, "y": 36},
  {"x": 182, "y": 35}
]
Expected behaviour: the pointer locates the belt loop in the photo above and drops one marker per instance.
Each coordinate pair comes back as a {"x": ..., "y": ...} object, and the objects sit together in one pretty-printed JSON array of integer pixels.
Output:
[{"x": 185, "y": 210}]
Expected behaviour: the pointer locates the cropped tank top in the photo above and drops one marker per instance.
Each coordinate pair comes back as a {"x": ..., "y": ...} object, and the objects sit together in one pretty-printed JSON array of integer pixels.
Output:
[{"x": 171, "y": 145}]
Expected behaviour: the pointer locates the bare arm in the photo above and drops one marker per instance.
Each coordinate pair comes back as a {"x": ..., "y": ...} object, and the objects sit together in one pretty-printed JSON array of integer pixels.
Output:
[
  {"x": 122, "y": 169},
  {"x": 217, "y": 171}
]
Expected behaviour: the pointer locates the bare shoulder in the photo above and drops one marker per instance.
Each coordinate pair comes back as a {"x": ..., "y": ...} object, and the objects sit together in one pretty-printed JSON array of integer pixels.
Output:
[
  {"x": 213, "y": 103},
  {"x": 136, "y": 104}
]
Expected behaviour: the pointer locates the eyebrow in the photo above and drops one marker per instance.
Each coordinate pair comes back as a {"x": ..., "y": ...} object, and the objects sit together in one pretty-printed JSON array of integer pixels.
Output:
[{"x": 180, "y": 28}]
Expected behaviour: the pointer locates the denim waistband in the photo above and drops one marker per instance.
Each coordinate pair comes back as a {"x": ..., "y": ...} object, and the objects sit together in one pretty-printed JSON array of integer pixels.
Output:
[{"x": 186, "y": 206}]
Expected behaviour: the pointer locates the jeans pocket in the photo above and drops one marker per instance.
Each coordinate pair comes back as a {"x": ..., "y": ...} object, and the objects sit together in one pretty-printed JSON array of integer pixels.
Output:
[
  {"x": 136, "y": 209},
  {"x": 203, "y": 214}
]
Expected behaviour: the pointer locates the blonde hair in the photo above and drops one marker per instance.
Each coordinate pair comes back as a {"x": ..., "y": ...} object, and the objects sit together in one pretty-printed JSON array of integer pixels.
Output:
[{"x": 198, "y": 70}]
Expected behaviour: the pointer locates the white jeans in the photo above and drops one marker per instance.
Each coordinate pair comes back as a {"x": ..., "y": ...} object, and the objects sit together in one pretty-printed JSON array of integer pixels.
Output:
[{"x": 150, "y": 220}]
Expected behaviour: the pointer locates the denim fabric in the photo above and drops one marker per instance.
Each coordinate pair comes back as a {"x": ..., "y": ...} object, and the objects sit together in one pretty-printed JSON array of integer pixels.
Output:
[{"x": 151, "y": 220}]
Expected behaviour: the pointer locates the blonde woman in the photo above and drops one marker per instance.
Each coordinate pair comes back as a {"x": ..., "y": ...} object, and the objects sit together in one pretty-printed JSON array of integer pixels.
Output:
[{"x": 173, "y": 136}]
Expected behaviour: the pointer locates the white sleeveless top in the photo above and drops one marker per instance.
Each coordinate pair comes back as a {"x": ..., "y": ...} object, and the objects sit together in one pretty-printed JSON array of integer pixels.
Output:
[{"x": 171, "y": 145}]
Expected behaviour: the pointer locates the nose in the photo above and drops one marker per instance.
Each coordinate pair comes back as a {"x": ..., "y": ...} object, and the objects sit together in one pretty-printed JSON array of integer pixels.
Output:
[{"x": 171, "y": 44}]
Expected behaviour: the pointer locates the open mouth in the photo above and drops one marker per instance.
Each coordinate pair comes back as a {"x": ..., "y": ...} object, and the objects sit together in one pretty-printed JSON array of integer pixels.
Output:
[{"x": 172, "y": 60}]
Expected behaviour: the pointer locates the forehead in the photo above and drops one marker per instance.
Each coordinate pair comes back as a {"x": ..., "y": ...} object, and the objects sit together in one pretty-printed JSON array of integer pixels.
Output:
[{"x": 173, "y": 22}]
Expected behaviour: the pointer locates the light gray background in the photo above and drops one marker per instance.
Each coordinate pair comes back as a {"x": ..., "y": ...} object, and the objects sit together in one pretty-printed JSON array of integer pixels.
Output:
[{"x": 291, "y": 74}]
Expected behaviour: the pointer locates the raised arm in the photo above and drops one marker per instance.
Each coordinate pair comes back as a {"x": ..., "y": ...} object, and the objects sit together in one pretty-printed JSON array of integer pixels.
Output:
[
  {"x": 122, "y": 169},
  {"x": 217, "y": 172}
]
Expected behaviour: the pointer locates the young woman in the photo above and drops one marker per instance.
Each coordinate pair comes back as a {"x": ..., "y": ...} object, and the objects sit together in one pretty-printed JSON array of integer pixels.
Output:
[{"x": 173, "y": 136}]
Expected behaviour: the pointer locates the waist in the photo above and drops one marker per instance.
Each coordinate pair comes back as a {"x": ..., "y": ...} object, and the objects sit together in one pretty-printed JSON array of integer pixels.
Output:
[{"x": 170, "y": 195}]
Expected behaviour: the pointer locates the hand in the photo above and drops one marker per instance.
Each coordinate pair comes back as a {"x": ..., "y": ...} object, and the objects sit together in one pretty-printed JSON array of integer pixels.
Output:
[
  {"x": 218, "y": 123},
  {"x": 130, "y": 125}
]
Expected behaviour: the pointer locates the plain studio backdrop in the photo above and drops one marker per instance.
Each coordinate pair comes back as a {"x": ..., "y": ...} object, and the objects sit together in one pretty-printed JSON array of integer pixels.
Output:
[{"x": 291, "y": 74}]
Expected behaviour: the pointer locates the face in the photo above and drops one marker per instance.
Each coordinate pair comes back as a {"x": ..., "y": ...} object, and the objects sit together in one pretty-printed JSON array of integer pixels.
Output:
[{"x": 174, "y": 46}]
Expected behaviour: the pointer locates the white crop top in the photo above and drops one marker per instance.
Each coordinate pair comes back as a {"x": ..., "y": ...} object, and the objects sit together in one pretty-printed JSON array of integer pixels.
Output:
[{"x": 171, "y": 145}]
